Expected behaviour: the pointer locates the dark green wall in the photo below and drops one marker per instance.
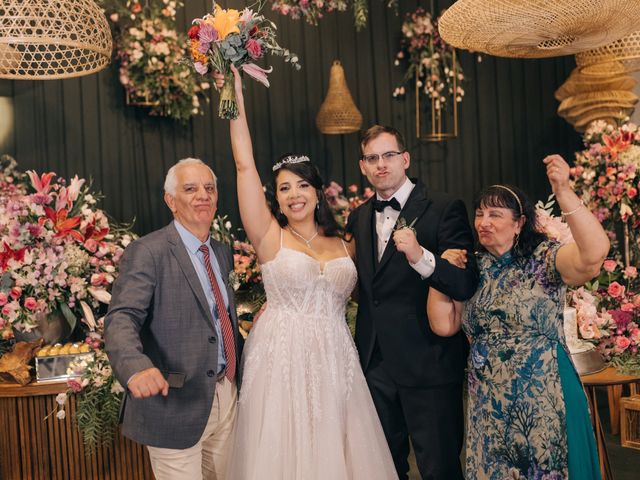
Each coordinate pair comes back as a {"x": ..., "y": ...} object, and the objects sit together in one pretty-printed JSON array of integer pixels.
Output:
[{"x": 507, "y": 120}]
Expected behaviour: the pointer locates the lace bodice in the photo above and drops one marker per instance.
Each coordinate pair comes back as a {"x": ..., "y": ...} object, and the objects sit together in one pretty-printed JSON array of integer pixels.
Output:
[{"x": 299, "y": 283}]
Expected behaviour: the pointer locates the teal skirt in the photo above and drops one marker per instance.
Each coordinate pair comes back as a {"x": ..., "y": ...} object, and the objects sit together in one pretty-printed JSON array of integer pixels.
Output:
[{"x": 583, "y": 454}]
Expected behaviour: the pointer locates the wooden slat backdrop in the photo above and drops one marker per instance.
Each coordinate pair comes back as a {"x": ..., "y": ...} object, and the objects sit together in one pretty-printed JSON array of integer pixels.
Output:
[
  {"x": 507, "y": 120},
  {"x": 32, "y": 448}
]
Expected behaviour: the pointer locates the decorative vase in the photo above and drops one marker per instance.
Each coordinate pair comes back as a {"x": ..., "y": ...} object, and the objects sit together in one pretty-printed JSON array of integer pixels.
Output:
[{"x": 52, "y": 328}]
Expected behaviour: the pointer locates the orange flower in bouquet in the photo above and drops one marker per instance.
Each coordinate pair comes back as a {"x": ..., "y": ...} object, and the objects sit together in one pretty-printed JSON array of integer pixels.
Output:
[{"x": 229, "y": 37}]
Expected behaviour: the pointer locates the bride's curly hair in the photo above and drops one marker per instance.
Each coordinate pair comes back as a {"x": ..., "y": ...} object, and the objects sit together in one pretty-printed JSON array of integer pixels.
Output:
[{"x": 309, "y": 172}]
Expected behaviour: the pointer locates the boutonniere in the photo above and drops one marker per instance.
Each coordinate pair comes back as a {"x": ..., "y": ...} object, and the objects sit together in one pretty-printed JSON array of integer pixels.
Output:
[
  {"x": 402, "y": 223},
  {"x": 233, "y": 282}
]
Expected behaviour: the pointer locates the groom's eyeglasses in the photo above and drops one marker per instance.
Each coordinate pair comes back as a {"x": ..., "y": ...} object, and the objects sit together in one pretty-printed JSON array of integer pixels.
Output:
[{"x": 373, "y": 158}]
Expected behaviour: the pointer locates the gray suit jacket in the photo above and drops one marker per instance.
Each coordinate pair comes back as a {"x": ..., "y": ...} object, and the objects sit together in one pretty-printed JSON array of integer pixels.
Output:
[{"x": 159, "y": 317}]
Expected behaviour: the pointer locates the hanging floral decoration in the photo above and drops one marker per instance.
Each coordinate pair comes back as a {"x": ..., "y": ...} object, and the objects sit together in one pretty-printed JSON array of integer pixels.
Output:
[
  {"x": 426, "y": 55},
  {"x": 314, "y": 10},
  {"x": 151, "y": 56}
]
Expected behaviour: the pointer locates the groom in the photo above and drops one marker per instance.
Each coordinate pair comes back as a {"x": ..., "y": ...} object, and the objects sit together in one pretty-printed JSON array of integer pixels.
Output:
[{"x": 415, "y": 377}]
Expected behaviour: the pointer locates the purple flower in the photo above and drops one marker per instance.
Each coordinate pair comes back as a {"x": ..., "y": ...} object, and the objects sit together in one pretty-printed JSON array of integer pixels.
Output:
[
  {"x": 207, "y": 33},
  {"x": 621, "y": 318},
  {"x": 203, "y": 47}
]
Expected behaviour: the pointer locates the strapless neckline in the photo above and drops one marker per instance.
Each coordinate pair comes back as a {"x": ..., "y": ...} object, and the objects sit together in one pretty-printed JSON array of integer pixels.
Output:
[{"x": 322, "y": 266}]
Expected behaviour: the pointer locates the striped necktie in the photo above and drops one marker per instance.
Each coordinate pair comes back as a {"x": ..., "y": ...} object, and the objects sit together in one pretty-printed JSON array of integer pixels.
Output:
[{"x": 223, "y": 316}]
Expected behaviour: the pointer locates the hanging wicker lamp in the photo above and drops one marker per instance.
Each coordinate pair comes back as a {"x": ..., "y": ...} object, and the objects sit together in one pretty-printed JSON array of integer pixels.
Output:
[
  {"x": 617, "y": 97},
  {"x": 537, "y": 28},
  {"x": 625, "y": 51},
  {"x": 578, "y": 83},
  {"x": 42, "y": 39},
  {"x": 338, "y": 113}
]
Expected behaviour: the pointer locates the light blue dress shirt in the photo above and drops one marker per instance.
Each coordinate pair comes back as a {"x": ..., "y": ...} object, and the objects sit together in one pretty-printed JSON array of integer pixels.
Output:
[{"x": 192, "y": 244}]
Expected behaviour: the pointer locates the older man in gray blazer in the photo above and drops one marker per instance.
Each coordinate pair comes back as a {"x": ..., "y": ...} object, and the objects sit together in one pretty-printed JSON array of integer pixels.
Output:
[{"x": 171, "y": 335}]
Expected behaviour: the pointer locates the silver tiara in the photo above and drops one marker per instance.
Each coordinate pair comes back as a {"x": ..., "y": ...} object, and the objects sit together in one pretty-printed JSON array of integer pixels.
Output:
[{"x": 290, "y": 159}]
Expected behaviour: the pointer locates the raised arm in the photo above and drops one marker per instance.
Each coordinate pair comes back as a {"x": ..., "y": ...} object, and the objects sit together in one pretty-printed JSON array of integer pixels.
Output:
[
  {"x": 579, "y": 261},
  {"x": 257, "y": 220}
]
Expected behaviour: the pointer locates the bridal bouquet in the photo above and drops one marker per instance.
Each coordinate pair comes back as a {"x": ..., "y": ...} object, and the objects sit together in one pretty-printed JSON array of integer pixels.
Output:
[{"x": 229, "y": 36}]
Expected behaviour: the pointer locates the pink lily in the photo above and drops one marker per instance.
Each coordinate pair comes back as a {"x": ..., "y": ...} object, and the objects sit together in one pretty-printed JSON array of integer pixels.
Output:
[
  {"x": 41, "y": 184},
  {"x": 257, "y": 73}
]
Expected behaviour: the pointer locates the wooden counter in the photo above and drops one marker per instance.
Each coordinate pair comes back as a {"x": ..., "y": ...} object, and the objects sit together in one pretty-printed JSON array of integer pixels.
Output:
[{"x": 51, "y": 449}]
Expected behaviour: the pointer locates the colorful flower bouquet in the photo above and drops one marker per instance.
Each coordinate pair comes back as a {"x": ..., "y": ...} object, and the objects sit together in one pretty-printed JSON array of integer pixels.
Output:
[
  {"x": 58, "y": 252},
  {"x": 430, "y": 58},
  {"x": 152, "y": 59},
  {"x": 608, "y": 315},
  {"x": 607, "y": 173},
  {"x": 228, "y": 36}
]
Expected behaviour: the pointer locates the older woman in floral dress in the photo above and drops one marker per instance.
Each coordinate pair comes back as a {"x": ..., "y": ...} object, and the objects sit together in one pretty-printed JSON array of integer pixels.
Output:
[{"x": 527, "y": 414}]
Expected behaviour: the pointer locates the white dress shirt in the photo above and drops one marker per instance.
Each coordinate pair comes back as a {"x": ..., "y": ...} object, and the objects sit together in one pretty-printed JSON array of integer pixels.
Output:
[{"x": 385, "y": 223}]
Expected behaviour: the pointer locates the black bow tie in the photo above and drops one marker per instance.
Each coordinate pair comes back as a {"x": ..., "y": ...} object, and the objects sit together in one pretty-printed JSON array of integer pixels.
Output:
[{"x": 380, "y": 205}]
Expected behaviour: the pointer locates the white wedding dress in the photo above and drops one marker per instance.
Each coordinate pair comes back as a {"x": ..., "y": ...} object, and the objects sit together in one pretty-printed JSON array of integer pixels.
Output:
[{"x": 305, "y": 411}]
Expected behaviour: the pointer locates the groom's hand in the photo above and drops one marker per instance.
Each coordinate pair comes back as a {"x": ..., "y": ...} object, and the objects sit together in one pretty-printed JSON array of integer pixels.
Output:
[{"x": 407, "y": 243}]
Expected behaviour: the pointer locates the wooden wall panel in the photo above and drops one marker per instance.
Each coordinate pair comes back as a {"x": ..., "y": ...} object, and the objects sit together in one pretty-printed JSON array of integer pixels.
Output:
[{"x": 32, "y": 448}]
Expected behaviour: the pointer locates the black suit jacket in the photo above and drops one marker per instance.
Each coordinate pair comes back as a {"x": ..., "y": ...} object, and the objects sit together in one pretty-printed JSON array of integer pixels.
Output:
[{"x": 393, "y": 296}]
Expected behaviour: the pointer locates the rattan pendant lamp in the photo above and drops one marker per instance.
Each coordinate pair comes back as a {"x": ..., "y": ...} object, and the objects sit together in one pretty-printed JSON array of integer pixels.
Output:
[
  {"x": 42, "y": 39},
  {"x": 537, "y": 28},
  {"x": 338, "y": 113},
  {"x": 624, "y": 51}
]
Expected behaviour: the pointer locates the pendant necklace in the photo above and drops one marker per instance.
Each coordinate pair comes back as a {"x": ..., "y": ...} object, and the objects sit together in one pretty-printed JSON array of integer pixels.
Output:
[{"x": 307, "y": 242}]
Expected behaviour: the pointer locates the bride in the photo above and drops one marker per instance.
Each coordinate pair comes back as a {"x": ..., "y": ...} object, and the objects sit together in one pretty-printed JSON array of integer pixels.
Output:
[{"x": 304, "y": 410}]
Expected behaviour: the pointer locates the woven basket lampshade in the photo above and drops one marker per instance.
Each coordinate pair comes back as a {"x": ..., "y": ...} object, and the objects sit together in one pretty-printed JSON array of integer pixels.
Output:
[
  {"x": 338, "y": 113},
  {"x": 610, "y": 116},
  {"x": 612, "y": 106},
  {"x": 625, "y": 51},
  {"x": 579, "y": 83},
  {"x": 42, "y": 39},
  {"x": 537, "y": 28}
]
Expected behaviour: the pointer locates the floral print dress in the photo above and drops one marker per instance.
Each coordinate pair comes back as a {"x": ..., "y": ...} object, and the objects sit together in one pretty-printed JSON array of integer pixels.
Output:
[{"x": 516, "y": 413}]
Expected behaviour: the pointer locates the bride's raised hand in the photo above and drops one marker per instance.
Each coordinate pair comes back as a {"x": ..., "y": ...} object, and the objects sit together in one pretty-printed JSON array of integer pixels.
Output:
[{"x": 237, "y": 79}]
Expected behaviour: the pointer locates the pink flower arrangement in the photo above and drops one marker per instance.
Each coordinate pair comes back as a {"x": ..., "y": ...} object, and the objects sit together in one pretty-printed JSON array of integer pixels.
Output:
[
  {"x": 53, "y": 243},
  {"x": 606, "y": 173},
  {"x": 341, "y": 204},
  {"x": 608, "y": 314}
]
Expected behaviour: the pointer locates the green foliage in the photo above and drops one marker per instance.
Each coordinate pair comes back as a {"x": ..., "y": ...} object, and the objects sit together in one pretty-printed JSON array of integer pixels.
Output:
[
  {"x": 627, "y": 363},
  {"x": 97, "y": 415}
]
